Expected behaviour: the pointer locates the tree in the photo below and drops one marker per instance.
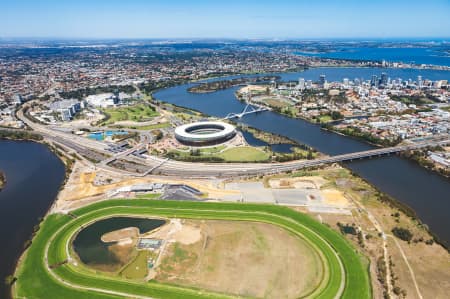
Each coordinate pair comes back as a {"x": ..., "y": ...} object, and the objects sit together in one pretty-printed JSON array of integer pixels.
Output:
[
  {"x": 158, "y": 134},
  {"x": 402, "y": 233},
  {"x": 195, "y": 152},
  {"x": 10, "y": 279},
  {"x": 336, "y": 115}
]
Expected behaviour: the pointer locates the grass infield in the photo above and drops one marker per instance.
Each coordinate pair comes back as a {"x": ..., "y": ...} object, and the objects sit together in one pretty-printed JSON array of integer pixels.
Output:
[{"x": 346, "y": 270}]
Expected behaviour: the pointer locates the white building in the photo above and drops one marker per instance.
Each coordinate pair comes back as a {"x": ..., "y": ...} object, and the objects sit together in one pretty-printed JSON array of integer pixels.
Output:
[
  {"x": 102, "y": 100},
  {"x": 301, "y": 83},
  {"x": 67, "y": 108}
]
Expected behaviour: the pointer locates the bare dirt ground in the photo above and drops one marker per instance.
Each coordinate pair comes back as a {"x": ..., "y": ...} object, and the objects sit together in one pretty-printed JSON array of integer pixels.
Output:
[
  {"x": 311, "y": 182},
  {"x": 249, "y": 88},
  {"x": 334, "y": 197},
  {"x": 82, "y": 186},
  {"x": 177, "y": 231},
  {"x": 242, "y": 258},
  {"x": 121, "y": 234},
  {"x": 429, "y": 265}
]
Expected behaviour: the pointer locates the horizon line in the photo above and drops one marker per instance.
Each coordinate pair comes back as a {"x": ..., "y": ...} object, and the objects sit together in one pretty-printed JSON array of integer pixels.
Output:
[{"x": 228, "y": 38}]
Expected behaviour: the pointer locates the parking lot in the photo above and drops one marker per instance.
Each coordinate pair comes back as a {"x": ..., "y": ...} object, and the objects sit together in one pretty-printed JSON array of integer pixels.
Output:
[{"x": 312, "y": 199}]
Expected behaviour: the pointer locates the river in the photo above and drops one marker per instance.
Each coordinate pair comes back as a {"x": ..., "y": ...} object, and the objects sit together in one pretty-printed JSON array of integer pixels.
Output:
[
  {"x": 429, "y": 55},
  {"x": 427, "y": 193},
  {"x": 34, "y": 175}
]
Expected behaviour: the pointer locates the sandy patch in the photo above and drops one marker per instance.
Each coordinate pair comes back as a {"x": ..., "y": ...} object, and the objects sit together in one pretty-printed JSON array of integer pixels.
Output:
[
  {"x": 176, "y": 231},
  {"x": 121, "y": 235},
  {"x": 310, "y": 182},
  {"x": 304, "y": 185},
  {"x": 248, "y": 88},
  {"x": 125, "y": 242},
  {"x": 335, "y": 197},
  {"x": 187, "y": 235},
  {"x": 81, "y": 184}
]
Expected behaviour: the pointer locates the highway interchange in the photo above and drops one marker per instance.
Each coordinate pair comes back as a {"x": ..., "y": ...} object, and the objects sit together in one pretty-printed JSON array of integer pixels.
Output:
[{"x": 97, "y": 151}]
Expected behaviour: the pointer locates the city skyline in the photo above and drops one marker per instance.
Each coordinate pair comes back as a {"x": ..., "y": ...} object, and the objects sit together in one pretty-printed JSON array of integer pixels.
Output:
[
  {"x": 231, "y": 19},
  {"x": 211, "y": 149}
]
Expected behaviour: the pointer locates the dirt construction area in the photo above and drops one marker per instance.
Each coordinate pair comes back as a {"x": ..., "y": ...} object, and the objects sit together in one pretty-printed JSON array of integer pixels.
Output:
[
  {"x": 87, "y": 184},
  {"x": 242, "y": 258}
]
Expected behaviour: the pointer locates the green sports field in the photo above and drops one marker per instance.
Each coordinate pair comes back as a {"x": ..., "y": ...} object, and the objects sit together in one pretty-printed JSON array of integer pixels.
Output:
[
  {"x": 49, "y": 271},
  {"x": 137, "y": 113}
]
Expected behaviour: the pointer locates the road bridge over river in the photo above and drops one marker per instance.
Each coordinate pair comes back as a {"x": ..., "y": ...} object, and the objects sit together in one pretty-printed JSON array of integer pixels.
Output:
[
  {"x": 133, "y": 165},
  {"x": 172, "y": 167}
]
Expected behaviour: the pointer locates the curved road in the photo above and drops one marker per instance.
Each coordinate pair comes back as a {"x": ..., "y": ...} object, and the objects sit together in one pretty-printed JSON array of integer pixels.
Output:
[{"x": 187, "y": 169}]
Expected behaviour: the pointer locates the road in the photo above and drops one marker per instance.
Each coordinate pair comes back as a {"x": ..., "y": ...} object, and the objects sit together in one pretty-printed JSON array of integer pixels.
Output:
[
  {"x": 386, "y": 256},
  {"x": 163, "y": 166},
  {"x": 411, "y": 271}
]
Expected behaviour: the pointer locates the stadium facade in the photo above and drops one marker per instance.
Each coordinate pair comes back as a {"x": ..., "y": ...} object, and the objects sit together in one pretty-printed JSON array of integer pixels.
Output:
[{"x": 205, "y": 133}]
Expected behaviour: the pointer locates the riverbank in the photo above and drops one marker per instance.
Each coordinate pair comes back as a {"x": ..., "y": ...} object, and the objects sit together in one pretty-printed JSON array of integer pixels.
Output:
[
  {"x": 419, "y": 249},
  {"x": 358, "y": 135},
  {"x": 34, "y": 175},
  {"x": 283, "y": 149},
  {"x": 66, "y": 159},
  {"x": 328, "y": 122},
  {"x": 375, "y": 219},
  {"x": 421, "y": 158},
  {"x": 11, "y": 134},
  {"x": 386, "y": 173},
  {"x": 213, "y": 86},
  {"x": 68, "y": 162},
  {"x": 267, "y": 137}
]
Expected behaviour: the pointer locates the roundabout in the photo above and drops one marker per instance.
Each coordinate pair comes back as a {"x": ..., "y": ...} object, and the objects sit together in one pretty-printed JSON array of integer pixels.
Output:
[
  {"x": 50, "y": 268},
  {"x": 205, "y": 133}
]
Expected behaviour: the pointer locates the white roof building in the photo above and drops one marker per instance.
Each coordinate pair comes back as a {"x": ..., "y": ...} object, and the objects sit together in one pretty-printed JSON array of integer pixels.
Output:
[{"x": 102, "y": 100}]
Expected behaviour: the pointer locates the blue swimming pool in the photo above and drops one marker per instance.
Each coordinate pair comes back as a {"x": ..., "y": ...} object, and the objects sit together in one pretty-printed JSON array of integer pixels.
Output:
[{"x": 102, "y": 135}]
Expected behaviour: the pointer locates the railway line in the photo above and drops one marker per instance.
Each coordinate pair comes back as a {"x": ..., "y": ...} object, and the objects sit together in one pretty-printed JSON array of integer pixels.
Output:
[{"x": 98, "y": 151}]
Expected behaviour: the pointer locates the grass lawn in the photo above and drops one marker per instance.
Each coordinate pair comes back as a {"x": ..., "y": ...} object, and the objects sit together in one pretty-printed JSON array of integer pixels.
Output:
[
  {"x": 149, "y": 196},
  {"x": 325, "y": 118},
  {"x": 203, "y": 151},
  {"x": 234, "y": 154},
  {"x": 138, "y": 268},
  {"x": 155, "y": 126},
  {"x": 212, "y": 150},
  {"x": 137, "y": 113},
  {"x": 244, "y": 154},
  {"x": 151, "y": 127},
  {"x": 275, "y": 103}
]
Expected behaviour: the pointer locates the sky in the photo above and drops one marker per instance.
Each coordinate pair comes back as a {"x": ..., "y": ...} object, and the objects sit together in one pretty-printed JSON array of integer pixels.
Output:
[{"x": 224, "y": 19}]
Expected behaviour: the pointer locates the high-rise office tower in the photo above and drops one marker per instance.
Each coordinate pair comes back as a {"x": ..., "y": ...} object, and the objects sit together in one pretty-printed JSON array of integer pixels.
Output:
[
  {"x": 322, "y": 80},
  {"x": 301, "y": 83}
]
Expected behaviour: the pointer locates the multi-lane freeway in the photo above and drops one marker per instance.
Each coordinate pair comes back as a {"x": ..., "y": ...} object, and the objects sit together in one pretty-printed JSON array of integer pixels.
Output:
[{"x": 96, "y": 150}]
